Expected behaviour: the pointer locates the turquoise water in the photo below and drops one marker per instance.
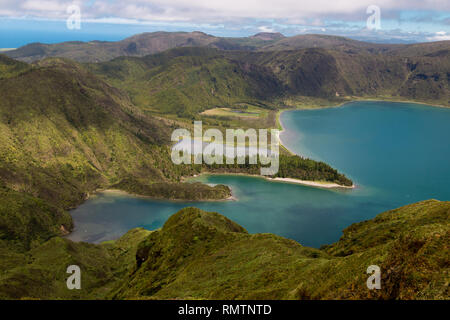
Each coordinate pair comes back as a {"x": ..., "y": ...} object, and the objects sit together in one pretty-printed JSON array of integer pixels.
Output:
[{"x": 396, "y": 154}]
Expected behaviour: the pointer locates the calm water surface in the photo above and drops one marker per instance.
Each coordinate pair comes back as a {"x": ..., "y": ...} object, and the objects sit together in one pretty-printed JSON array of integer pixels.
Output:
[{"x": 396, "y": 153}]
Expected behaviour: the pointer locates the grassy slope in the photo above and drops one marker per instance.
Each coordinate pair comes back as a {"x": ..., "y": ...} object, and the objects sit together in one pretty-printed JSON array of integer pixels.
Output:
[
  {"x": 11, "y": 68},
  {"x": 65, "y": 134},
  {"x": 323, "y": 73},
  {"x": 26, "y": 221},
  {"x": 199, "y": 255},
  {"x": 316, "y": 66},
  {"x": 95, "y": 51},
  {"x": 187, "y": 81},
  {"x": 41, "y": 272}
]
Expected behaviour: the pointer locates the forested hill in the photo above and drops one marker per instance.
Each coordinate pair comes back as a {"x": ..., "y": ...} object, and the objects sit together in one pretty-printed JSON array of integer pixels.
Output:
[
  {"x": 66, "y": 133},
  {"x": 199, "y": 255},
  {"x": 187, "y": 81},
  {"x": 203, "y": 255},
  {"x": 69, "y": 129},
  {"x": 264, "y": 67}
]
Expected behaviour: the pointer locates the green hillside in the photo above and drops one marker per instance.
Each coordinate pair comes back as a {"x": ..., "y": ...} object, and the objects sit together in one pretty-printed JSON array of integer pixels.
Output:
[
  {"x": 95, "y": 51},
  {"x": 187, "y": 81},
  {"x": 40, "y": 273},
  {"x": 69, "y": 129},
  {"x": 198, "y": 71},
  {"x": 67, "y": 134},
  {"x": 201, "y": 255},
  {"x": 338, "y": 75},
  {"x": 10, "y": 67}
]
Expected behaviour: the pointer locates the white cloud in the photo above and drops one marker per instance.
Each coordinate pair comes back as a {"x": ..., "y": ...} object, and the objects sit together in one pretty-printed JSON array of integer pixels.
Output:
[
  {"x": 340, "y": 17},
  {"x": 213, "y": 10},
  {"x": 265, "y": 29},
  {"x": 45, "y": 5},
  {"x": 439, "y": 36}
]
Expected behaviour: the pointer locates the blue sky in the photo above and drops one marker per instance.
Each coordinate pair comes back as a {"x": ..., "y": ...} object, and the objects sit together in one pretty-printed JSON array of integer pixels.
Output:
[{"x": 25, "y": 21}]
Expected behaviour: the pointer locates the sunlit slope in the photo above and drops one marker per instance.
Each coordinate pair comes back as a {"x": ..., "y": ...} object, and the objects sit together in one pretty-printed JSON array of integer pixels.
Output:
[
  {"x": 187, "y": 81},
  {"x": 200, "y": 255},
  {"x": 40, "y": 273},
  {"x": 65, "y": 132}
]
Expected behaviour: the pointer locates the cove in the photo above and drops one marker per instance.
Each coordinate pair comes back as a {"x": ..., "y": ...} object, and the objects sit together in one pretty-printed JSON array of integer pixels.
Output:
[{"x": 396, "y": 153}]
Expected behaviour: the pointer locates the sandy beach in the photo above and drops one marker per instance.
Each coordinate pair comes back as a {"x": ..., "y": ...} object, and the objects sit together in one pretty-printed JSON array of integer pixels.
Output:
[{"x": 318, "y": 184}]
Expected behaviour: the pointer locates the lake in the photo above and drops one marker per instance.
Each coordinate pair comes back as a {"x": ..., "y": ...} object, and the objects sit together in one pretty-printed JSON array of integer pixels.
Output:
[{"x": 396, "y": 153}]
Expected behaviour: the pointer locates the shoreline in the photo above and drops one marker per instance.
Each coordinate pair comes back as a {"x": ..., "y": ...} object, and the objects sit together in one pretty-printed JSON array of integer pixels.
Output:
[
  {"x": 308, "y": 183},
  {"x": 283, "y": 129},
  {"x": 318, "y": 184},
  {"x": 393, "y": 101},
  {"x": 126, "y": 193},
  {"x": 353, "y": 100},
  {"x": 279, "y": 125}
]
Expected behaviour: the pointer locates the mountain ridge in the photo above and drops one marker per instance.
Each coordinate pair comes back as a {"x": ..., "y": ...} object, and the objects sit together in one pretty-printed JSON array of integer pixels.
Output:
[
  {"x": 191, "y": 80},
  {"x": 155, "y": 42}
]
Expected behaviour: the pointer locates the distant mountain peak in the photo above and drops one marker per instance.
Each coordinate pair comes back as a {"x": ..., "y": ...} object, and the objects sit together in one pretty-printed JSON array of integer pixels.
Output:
[
  {"x": 200, "y": 33},
  {"x": 268, "y": 36}
]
